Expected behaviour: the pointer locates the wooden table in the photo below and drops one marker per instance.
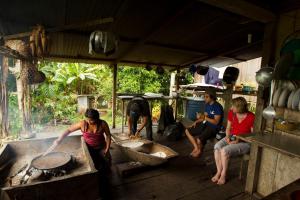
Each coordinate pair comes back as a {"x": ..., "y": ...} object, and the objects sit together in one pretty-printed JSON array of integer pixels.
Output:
[
  {"x": 285, "y": 192},
  {"x": 283, "y": 144},
  {"x": 124, "y": 98}
]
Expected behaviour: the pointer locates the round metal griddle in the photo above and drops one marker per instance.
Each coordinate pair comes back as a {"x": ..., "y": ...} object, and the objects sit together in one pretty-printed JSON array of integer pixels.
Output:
[{"x": 51, "y": 161}]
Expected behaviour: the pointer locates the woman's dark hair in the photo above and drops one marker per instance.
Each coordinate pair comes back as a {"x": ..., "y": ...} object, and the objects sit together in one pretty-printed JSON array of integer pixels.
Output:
[{"x": 92, "y": 113}]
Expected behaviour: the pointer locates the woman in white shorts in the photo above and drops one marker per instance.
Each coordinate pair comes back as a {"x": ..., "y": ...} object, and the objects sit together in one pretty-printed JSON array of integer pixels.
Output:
[{"x": 240, "y": 121}]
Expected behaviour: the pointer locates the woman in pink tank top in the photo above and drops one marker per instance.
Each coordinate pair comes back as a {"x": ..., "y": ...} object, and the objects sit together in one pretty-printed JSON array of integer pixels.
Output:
[{"x": 96, "y": 134}]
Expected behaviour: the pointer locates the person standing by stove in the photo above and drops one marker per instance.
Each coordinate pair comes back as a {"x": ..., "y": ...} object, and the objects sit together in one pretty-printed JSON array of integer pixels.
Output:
[
  {"x": 96, "y": 134},
  {"x": 136, "y": 108}
]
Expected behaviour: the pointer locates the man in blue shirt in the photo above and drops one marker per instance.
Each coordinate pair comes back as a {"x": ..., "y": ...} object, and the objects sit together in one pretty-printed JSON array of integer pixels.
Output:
[{"x": 208, "y": 125}]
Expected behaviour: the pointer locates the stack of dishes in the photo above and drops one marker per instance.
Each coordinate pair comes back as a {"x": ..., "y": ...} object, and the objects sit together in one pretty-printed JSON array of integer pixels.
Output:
[{"x": 285, "y": 98}]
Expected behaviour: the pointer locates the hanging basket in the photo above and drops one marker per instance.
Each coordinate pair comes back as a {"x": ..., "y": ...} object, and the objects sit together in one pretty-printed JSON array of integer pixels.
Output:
[{"x": 31, "y": 74}]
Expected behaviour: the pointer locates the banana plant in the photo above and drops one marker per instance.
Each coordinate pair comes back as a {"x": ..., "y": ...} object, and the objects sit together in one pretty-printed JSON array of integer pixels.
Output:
[{"x": 72, "y": 75}]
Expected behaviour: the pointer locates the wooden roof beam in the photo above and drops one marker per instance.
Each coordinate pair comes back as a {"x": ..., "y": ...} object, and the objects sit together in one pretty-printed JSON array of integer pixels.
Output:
[
  {"x": 94, "y": 60},
  {"x": 243, "y": 8},
  {"x": 64, "y": 28}
]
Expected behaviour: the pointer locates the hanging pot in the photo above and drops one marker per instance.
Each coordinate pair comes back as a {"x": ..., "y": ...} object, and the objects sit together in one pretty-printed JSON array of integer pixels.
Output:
[
  {"x": 230, "y": 75},
  {"x": 192, "y": 69},
  {"x": 160, "y": 70},
  {"x": 148, "y": 67},
  {"x": 264, "y": 76},
  {"x": 202, "y": 70},
  {"x": 102, "y": 42}
]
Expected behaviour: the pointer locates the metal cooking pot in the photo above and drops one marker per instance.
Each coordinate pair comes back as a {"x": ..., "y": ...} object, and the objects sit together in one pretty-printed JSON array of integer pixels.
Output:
[
  {"x": 51, "y": 161},
  {"x": 264, "y": 76}
]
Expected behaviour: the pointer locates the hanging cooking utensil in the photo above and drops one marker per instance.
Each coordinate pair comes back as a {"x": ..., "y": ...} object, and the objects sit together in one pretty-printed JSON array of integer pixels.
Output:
[
  {"x": 102, "y": 42},
  {"x": 264, "y": 76},
  {"x": 160, "y": 70},
  {"x": 230, "y": 75},
  {"x": 202, "y": 70},
  {"x": 269, "y": 112},
  {"x": 148, "y": 67}
]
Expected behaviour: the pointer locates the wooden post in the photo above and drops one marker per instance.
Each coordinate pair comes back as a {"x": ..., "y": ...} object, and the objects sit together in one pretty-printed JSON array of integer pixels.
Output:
[
  {"x": 227, "y": 96},
  {"x": 267, "y": 60},
  {"x": 25, "y": 100},
  {"x": 176, "y": 89},
  {"x": 114, "y": 95},
  {"x": 256, "y": 151},
  {"x": 4, "y": 97}
]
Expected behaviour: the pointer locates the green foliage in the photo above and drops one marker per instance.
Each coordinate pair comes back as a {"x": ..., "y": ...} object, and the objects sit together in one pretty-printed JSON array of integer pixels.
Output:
[
  {"x": 56, "y": 98},
  {"x": 138, "y": 80},
  {"x": 77, "y": 77},
  {"x": 104, "y": 86}
]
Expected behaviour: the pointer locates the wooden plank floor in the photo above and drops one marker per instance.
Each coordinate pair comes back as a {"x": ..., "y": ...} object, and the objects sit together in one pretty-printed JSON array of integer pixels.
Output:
[{"x": 182, "y": 178}]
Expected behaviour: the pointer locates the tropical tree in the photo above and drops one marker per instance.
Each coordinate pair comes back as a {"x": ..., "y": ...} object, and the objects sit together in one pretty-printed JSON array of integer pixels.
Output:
[
  {"x": 78, "y": 77},
  {"x": 140, "y": 80}
]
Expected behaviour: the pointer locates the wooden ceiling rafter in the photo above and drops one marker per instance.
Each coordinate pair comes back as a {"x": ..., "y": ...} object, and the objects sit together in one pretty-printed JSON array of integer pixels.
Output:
[
  {"x": 93, "y": 60},
  {"x": 64, "y": 28}
]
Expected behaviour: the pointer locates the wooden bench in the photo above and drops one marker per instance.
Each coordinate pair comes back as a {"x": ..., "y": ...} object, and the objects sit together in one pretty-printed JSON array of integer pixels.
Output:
[{"x": 244, "y": 160}]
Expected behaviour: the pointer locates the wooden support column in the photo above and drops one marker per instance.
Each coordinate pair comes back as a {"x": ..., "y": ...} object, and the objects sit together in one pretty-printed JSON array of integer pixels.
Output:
[
  {"x": 4, "y": 97},
  {"x": 268, "y": 57},
  {"x": 114, "y": 95},
  {"x": 227, "y": 96},
  {"x": 176, "y": 89},
  {"x": 25, "y": 100}
]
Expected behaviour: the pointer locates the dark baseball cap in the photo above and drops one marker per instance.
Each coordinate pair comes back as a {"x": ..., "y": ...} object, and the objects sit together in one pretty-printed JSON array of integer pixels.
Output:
[{"x": 211, "y": 91}]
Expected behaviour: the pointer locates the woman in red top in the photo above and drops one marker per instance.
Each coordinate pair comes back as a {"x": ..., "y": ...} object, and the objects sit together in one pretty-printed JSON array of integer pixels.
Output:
[{"x": 240, "y": 121}]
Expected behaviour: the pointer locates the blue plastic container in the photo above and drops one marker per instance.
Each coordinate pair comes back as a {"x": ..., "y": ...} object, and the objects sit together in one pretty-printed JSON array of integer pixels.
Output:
[{"x": 192, "y": 107}]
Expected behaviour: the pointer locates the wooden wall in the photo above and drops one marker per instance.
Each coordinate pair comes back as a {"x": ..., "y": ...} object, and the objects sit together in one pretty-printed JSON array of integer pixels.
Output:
[{"x": 276, "y": 169}]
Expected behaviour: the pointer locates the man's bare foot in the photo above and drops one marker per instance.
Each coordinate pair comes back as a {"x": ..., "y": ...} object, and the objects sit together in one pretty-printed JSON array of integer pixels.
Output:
[
  {"x": 199, "y": 144},
  {"x": 221, "y": 181},
  {"x": 196, "y": 153},
  {"x": 194, "y": 150},
  {"x": 215, "y": 178}
]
